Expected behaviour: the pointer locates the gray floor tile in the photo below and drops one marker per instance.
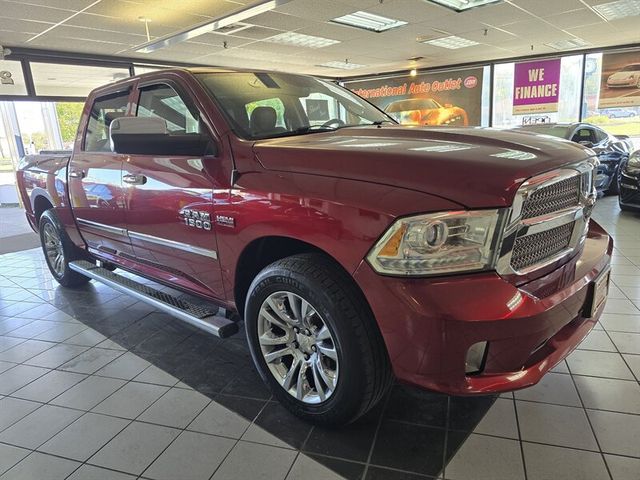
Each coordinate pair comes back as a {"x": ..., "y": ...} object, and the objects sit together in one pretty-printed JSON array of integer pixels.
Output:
[
  {"x": 7, "y": 342},
  {"x": 258, "y": 434},
  {"x": 597, "y": 340},
  {"x": 49, "y": 386},
  {"x": 126, "y": 367},
  {"x": 19, "y": 376},
  {"x": 192, "y": 456},
  {"x": 218, "y": 420},
  {"x": 110, "y": 344},
  {"x": 39, "y": 426},
  {"x": 131, "y": 400},
  {"x": 61, "y": 331},
  {"x": 623, "y": 468},
  {"x": 634, "y": 364},
  {"x": 555, "y": 425},
  {"x": 86, "y": 338},
  {"x": 176, "y": 408},
  {"x": 553, "y": 388},
  {"x": 560, "y": 368},
  {"x": 156, "y": 376},
  {"x": 89, "y": 472},
  {"x": 91, "y": 361},
  {"x": 500, "y": 420},
  {"x": 36, "y": 327},
  {"x": 618, "y": 433},
  {"x": 88, "y": 393},
  {"x": 486, "y": 458},
  {"x": 545, "y": 462},
  {"x": 7, "y": 325},
  {"x": 626, "y": 342},
  {"x": 621, "y": 323},
  {"x": 598, "y": 364},
  {"x": 84, "y": 437},
  {"x": 10, "y": 455},
  {"x": 254, "y": 461},
  {"x": 56, "y": 356},
  {"x": 621, "y": 306},
  {"x": 13, "y": 409},
  {"x": 4, "y": 366},
  {"x": 306, "y": 468},
  {"x": 135, "y": 448},
  {"x": 609, "y": 394},
  {"x": 40, "y": 466},
  {"x": 24, "y": 351}
]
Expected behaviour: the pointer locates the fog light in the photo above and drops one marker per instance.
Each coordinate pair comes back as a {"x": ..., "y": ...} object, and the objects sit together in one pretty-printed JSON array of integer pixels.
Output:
[{"x": 475, "y": 357}]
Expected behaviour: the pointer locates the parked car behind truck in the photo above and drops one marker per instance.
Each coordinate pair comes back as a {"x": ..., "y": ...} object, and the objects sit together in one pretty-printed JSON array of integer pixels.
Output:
[{"x": 356, "y": 251}]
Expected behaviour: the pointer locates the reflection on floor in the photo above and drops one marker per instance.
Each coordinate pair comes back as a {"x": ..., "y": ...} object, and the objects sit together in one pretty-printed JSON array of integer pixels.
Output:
[{"x": 96, "y": 385}]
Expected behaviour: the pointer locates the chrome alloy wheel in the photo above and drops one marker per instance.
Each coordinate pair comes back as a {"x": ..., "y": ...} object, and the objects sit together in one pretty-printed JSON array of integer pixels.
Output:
[
  {"x": 298, "y": 347},
  {"x": 53, "y": 248}
]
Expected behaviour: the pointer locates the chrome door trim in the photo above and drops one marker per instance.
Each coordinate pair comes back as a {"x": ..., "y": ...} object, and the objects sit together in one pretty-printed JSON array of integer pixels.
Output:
[
  {"x": 173, "y": 244},
  {"x": 101, "y": 226}
]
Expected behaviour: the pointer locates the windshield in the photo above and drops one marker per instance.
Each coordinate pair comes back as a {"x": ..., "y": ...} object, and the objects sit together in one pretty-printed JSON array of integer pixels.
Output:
[
  {"x": 267, "y": 105},
  {"x": 412, "y": 104},
  {"x": 631, "y": 68},
  {"x": 559, "y": 131}
]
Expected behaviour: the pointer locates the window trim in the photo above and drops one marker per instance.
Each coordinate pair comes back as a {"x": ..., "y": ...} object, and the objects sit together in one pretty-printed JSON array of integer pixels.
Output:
[{"x": 128, "y": 90}]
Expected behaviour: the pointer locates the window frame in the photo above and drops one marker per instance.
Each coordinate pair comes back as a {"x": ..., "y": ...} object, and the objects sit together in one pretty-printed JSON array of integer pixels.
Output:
[{"x": 127, "y": 89}]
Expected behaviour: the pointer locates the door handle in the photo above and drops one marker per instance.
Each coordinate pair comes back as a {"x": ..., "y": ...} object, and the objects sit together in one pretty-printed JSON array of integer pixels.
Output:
[
  {"x": 77, "y": 174},
  {"x": 134, "y": 179}
]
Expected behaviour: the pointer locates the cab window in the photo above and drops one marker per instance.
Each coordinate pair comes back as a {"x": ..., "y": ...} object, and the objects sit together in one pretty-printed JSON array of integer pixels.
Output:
[
  {"x": 104, "y": 110},
  {"x": 164, "y": 102}
]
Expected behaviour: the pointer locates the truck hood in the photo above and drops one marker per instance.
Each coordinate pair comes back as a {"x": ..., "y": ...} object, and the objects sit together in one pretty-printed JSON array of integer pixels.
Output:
[{"x": 476, "y": 167}]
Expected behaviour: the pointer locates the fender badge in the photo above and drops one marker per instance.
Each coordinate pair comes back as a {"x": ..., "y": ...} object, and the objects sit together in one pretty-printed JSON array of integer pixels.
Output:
[{"x": 225, "y": 221}]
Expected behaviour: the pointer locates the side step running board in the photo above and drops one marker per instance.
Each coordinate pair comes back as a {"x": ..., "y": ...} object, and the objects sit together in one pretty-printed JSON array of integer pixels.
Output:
[{"x": 196, "y": 315}]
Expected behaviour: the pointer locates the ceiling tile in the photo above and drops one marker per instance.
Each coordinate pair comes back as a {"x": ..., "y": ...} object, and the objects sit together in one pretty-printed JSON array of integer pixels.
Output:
[
  {"x": 547, "y": 7},
  {"x": 576, "y": 18}
]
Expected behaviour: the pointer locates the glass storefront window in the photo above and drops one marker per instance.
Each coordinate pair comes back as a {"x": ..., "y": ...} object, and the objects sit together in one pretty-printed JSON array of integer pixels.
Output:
[
  {"x": 58, "y": 80},
  {"x": 11, "y": 78},
  {"x": 568, "y": 102}
]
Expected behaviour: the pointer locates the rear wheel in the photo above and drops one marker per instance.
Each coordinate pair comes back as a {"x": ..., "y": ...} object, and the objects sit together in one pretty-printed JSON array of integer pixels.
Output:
[
  {"x": 314, "y": 341},
  {"x": 59, "y": 250}
]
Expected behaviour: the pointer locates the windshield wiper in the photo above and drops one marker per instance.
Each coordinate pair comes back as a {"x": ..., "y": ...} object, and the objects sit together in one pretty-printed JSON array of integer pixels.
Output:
[{"x": 380, "y": 122}]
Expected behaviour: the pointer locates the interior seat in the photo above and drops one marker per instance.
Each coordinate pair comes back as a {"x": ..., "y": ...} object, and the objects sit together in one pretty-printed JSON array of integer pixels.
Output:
[{"x": 263, "y": 122}]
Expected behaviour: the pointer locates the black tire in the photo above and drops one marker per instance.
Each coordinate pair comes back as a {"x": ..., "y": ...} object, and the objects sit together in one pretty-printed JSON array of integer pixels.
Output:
[
  {"x": 625, "y": 208},
  {"x": 49, "y": 224},
  {"x": 365, "y": 373}
]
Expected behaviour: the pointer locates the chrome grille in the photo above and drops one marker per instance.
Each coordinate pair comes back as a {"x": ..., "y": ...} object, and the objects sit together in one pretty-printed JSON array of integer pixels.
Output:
[
  {"x": 553, "y": 198},
  {"x": 535, "y": 248}
]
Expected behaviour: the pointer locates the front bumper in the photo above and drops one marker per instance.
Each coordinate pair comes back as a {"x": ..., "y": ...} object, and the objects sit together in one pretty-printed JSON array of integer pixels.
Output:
[
  {"x": 629, "y": 190},
  {"x": 429, "y": 324}
]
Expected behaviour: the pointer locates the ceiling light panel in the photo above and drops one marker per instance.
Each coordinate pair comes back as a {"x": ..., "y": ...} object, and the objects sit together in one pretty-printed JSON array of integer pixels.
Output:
[
  {"x": 342, "y": 65},
  {"x": 369, "y": 21},
  {"x": 452, "y": 42},
  {"x": 618, "y": 9},
  {"x": 462, "y": 5},
  {"x": 301, "y": 40},
  {"x": 568, "y": 44}
]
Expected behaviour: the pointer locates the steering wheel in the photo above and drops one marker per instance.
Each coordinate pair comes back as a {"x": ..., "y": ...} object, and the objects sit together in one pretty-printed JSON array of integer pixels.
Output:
[{"x": 333, "y": 121}]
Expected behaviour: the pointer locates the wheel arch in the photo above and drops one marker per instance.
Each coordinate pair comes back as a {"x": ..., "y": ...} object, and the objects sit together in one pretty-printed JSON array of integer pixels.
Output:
[{"x": 40, "y": 202}]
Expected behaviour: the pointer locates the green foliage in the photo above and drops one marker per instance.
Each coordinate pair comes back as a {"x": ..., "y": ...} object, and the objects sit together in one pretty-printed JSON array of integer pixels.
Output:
[{"x": 68, "y": 118}]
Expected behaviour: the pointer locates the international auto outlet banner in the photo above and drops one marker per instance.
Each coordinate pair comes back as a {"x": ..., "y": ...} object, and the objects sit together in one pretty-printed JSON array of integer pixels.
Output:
[
  {"x": 536, "y": 87},
  {"x": 620, "y": 82},
  {"x": 442, "y": 98}
]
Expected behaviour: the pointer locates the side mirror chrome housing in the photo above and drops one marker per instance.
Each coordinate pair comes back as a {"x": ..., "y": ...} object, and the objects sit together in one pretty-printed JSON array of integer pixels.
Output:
[{"x": 150, "y": 136}]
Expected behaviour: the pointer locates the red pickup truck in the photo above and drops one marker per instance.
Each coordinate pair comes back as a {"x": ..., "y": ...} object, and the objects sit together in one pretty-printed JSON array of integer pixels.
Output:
[{"x": 354, "y": 250}]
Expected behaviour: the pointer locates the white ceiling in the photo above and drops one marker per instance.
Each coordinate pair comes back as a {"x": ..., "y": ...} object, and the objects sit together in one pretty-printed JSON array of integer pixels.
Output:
[{"x": 111, "y": 27}]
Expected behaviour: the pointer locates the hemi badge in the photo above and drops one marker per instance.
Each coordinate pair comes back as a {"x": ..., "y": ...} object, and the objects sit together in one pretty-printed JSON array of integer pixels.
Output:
[{"x": 225, "y": 221}]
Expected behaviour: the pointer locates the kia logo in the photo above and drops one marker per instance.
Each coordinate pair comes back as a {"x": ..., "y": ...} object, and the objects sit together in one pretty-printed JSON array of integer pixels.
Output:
[{"x": 470, "y": 82}]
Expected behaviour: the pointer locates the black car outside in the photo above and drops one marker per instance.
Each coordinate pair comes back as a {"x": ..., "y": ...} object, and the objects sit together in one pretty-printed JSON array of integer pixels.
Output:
[{"x": 612, "y": 150}]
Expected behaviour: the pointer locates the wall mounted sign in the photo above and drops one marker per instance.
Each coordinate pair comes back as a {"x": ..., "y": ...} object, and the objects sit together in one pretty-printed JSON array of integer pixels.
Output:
[
  {"x": 536, "y": 87},
  {"x": 6, "y": 78},
  {"x": 441, "y": 98},
  {"x": 620, "y": 81}
]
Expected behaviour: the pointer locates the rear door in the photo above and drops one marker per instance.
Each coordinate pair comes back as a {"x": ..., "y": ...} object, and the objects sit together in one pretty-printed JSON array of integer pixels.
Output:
[
  {"x": 95, "y": 184},
  {"x": 169, "y": 198}
]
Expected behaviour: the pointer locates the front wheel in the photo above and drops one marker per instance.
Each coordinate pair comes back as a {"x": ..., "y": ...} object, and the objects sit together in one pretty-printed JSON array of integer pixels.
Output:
[
  {"x": 314, "y": 341},
  {"x": 59, "y": 250}
]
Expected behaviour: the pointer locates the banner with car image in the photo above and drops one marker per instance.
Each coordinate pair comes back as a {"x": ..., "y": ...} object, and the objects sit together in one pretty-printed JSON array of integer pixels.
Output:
[
  {"x": 442, "y": 98},
  {"x": 620, "y": 80}
]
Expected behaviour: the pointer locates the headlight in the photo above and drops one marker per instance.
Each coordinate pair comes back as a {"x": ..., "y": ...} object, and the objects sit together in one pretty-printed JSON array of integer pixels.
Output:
[
  {"x": 438, "y": 243},
  {"x": 633, "y": 164}
]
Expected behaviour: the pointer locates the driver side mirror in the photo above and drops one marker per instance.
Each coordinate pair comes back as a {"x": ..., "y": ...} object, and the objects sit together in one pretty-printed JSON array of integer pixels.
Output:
[{"x": 150, "y": 136}]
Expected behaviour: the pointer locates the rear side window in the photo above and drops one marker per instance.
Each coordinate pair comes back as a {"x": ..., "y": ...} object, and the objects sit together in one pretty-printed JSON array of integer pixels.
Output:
[
  {"x": 164, "y": 102},
  {"x": 104, "y": 111}
]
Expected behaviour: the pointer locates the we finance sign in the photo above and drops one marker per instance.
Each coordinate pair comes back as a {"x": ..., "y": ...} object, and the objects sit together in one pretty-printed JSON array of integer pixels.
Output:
[{"x": 536, "y": 87}]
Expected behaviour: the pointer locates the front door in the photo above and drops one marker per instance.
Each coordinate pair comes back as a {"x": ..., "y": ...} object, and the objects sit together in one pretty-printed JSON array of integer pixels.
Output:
[
  {"x": 169, "y": 201},
  {"x": 95, "y": 179}
]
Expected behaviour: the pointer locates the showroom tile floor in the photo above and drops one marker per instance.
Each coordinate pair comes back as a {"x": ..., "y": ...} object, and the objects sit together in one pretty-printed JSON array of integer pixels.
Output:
[{"x": 94, "y": 385}]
